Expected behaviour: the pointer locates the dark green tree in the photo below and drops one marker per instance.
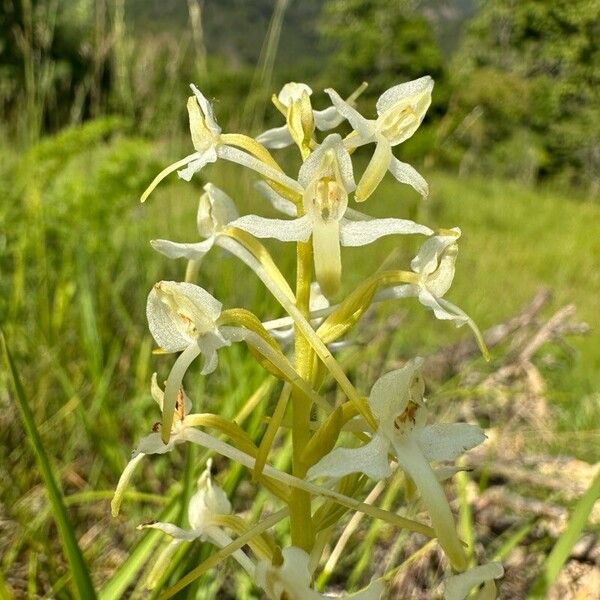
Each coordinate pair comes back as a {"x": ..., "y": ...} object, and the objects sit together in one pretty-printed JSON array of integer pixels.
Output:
[
  {"x": 527, "y": 90},
  {"x": 383, "y": 42}
]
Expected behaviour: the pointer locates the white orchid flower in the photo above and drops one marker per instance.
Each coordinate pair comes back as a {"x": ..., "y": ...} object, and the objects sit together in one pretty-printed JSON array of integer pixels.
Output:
[
  {"x": 291, "y": 580},
  {"x": 400, "y": 111},
  {"x": 215, "y": 211},
  {"x": 396, "y": 402},
  {"x": 182, "y": 317},
  {"x": 205, "y": 506},
  {"x": 210, "y": 144},
  {"x": 434, "y": 267},
  {"x": 153, "y": 443},
  {"x": 458, "y": 587},
  {"x": 329, "y": 118},
  {"x": 327, "y": 179}
]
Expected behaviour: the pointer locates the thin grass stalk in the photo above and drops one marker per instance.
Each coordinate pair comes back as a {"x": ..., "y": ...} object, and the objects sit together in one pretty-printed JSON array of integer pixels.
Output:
[{"x": 81, "y": 575}]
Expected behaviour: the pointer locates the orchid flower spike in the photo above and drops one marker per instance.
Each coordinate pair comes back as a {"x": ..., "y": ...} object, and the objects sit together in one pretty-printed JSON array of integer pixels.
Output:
[
  {"x": 291, "y": 99},
  {"x": 208, "y": 504},
  {"x": 458, "y": 587},
  {"x": 291, "y": 579},
  {"x": 327, "y": 179},
  {"x": 215, "y": 211},
  {"x": 397, "y": 404},
  {"x": 210, "y": 144},
  {"x": 400, "y": 111}
]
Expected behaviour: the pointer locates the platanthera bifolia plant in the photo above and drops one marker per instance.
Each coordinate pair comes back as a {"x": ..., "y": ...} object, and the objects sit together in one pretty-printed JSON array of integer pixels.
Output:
[{"x": 343, "y": 442}]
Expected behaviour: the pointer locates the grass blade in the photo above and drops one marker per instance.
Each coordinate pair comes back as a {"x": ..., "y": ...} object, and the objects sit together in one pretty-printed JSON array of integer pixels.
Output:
[
  {"x": 562, "y": 549},
  {"x": 117, "y": 585},
  {"x": 79, "y": 569}
]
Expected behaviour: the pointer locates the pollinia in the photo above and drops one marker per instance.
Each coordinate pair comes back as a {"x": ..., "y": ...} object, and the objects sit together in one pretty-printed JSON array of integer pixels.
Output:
[{"x": 339, "y": 446}]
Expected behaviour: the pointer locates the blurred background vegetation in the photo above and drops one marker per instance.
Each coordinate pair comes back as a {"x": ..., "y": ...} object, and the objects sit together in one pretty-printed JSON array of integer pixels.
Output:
[{"x": 92, "y": 105}]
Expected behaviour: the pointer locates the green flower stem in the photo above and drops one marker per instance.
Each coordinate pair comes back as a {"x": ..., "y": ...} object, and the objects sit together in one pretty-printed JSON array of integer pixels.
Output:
[
  {"x": 248, "y": 251},
  {"x": 301, "y": 524}
]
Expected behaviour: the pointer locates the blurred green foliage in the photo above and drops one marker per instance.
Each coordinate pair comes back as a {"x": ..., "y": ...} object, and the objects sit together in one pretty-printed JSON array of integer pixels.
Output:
[{"x": 526, "y": 99}]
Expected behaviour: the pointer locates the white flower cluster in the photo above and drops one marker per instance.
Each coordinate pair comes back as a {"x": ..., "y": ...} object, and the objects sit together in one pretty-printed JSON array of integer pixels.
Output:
[{"x": 184, "y": 318}]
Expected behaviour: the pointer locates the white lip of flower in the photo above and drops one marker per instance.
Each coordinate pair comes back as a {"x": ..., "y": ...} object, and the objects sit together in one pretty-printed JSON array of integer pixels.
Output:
[
  {"x": 396, "y": 402},
  {"x": 458, "y": 587},
  {"x": 215, "y": 211},
  {"x": 327, "y": 179},
  {"x": 291, "y": 580},
  {"x": 279, "y": 137},
  {"x": 400, "y": 111},
  {"x": 208, "y": 502},
  {"x": 209, "y": 146}
]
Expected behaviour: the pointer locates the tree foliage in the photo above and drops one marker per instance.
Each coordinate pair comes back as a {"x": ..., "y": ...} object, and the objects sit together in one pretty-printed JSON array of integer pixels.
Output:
[
  {"x": 380, "y": 42},
  {"x": 527, "y": 94}
]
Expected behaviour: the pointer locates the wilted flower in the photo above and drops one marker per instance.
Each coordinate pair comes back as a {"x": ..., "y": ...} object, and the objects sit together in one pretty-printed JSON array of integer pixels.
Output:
[
  {"x": 327, "y": 179},
  {"x": 396, "y": 402},
  {"x": 400, "y": 111}
]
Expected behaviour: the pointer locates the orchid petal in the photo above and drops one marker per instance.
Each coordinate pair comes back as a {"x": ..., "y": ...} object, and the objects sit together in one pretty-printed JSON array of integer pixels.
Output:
[
  {"x": 194, "y": 251},
  {"x": 276, "y": 138},
  {"x": 290, "y": 580},
  {"x": 391, "y": 393},
  {"x": 279, "y": 203},
  {"x": 361, "y": 233},
  {"x": 296, "y": 230},
  {"x": 426, "y": 298},
  {"x": 315, "y": 165},
  {"x": 124, "y": 480},
  {"x": 152, "y": 444},
  {"x": 431, "y": 252},
  {"x": 370, "y": 459},
  {"x": 375, "y": 171},
  {"x": 406, "y": 173},
  {"x": 458, "y": 587},
  {"x": 172, "y": 530},
  {"x": 178, "y": 313},
  {"x": 364, "y": 127},
  {"x": 447, "y": 441},
  {"x": 207, "y": 110},
  {"x": 207, "y": 156},
  {"x": 292, "y": 92},
  {"x": 414, "y": 464},
  {"x": 215, "y": 210},
  {"x": 403, "y": 91},
  {"x": 327, "y": 255},
  {"x": 328, "y": 118}
]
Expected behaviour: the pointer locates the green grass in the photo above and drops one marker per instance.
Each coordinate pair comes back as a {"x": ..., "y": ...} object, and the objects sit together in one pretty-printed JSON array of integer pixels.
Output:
[{"x": 76, "y": 268}]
